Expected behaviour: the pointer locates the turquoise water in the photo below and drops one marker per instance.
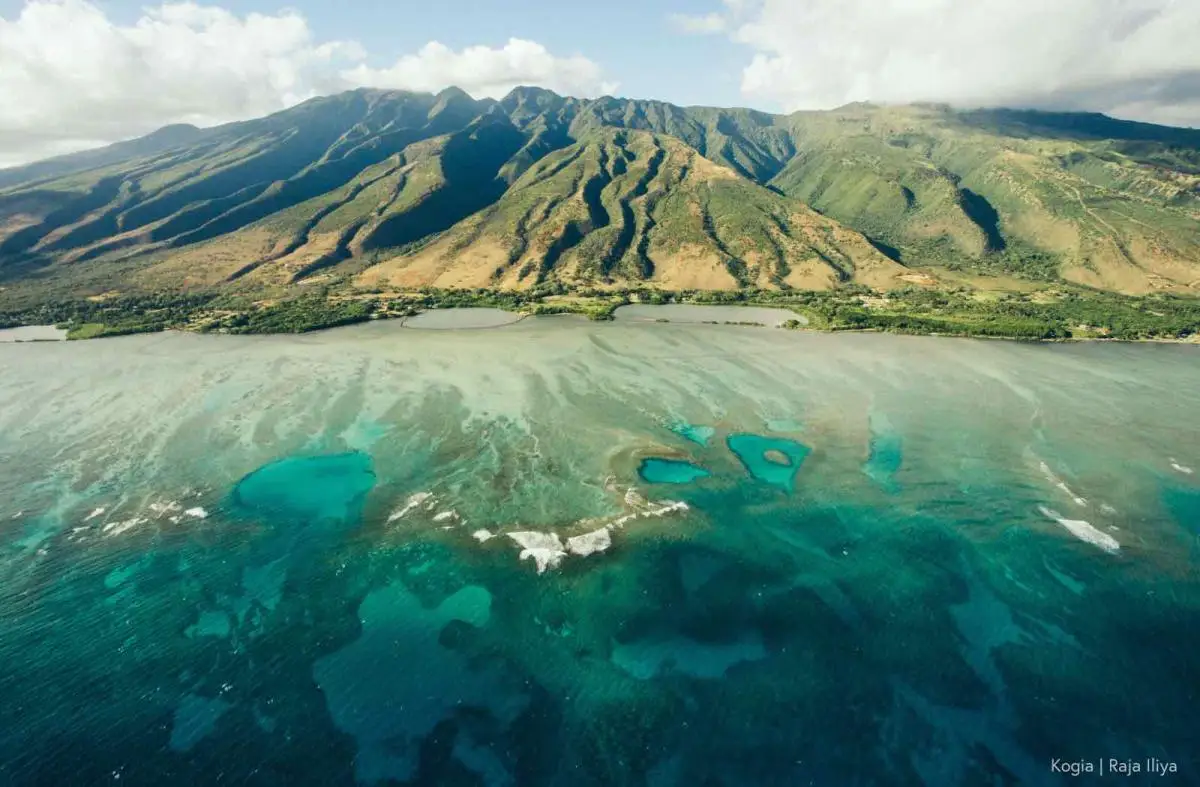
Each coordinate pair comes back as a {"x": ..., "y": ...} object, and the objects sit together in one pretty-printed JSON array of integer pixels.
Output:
[
  {"x": 670, "y": 471},
  {"x": 772, "y": 460},
  {"x": 314, "y": 560},
  {"x": 308, "y": 489},
  {"x": 886, "y": 453}
]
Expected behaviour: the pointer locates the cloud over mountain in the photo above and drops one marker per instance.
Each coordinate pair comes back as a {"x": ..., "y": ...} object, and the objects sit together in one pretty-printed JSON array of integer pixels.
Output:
[
  {"x": 1132, "y": 58},
  {"x": 72, "y": 78},
  {"x": 487, "y": 72}
]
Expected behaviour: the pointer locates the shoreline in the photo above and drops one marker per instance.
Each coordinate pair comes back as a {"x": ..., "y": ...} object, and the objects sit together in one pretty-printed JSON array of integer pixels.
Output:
[
  {"x": 523, "y": 314},
  {"x": 1049, "y": 316}
]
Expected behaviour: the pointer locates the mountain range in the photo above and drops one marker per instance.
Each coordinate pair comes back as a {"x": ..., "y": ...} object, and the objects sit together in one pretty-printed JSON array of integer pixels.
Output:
[{"x": 392, "y": 190}]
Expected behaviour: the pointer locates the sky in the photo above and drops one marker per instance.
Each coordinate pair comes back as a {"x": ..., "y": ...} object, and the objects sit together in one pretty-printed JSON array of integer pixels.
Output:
[{"x": 76, "y": 74}]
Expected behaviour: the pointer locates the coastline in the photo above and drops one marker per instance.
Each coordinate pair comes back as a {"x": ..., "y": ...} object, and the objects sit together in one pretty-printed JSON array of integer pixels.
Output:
[
  {"x": 1051, "y": 316},
  {"x": 521, "y": 316}
]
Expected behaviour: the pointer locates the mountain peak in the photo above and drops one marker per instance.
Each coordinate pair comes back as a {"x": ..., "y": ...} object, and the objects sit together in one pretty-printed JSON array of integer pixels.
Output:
[
  {"x": 856, "y": 106},
  {"x": 174, "y": 128},
  {"x": 173, "y": 134},
  {"x": 529, "y": 92},
  {"x": 528, "y": 96},
  {"x": 453, "y": 93}
]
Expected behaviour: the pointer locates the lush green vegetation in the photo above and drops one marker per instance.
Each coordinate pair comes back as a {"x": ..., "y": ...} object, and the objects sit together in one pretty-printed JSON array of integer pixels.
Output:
[
  {"x": 92, "y": 318},
  {"x": 297, "y": 315},
  {"x": 1063, "y": 315}
]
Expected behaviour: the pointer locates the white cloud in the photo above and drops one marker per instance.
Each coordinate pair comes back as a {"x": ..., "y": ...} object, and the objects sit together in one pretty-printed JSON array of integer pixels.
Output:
[
  {"x": 1135, "y": 58},
  {"x": 71, "y": 78},
  {"x": 484, "y": 71},
  {"x": 698, "y": 25}
]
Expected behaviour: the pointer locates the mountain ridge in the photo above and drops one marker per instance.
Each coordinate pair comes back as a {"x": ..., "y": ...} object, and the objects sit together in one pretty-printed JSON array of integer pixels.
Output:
[{"x": 383, "y": 189}]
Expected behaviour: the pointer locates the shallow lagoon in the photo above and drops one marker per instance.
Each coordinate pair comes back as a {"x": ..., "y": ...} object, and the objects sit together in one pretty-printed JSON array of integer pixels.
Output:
[
  {"x": 670, "y": 471},
  {"x": 263, "y": 557},
  {"x": 772, "y": 460}
]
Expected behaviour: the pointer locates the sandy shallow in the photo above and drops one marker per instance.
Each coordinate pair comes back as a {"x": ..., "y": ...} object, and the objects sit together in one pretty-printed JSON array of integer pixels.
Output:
[{"x": 692, "y": 313}]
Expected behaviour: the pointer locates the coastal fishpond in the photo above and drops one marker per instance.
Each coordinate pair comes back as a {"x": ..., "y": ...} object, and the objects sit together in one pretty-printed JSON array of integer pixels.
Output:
[
  {"x": 570, "y": 553},
  {"x": 32, "y": 333},
  {"x": 700, "y": 313},
  {"x": 461, "y": 318}
]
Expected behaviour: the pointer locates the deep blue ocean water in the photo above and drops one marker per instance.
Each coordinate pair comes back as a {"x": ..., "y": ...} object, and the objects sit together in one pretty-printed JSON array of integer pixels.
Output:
[{"x": 862, "y": 590}]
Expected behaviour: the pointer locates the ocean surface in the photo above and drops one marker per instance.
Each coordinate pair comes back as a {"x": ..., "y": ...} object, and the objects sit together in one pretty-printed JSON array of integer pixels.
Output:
[{"x": 566, "y": 553}]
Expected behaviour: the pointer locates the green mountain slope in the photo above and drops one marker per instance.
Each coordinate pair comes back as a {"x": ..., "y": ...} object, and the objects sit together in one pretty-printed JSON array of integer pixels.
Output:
[
  {"x": 1007, "y": 192},
  {"x": 634, "y": 206},
  {"x": 389, "y": 189}
]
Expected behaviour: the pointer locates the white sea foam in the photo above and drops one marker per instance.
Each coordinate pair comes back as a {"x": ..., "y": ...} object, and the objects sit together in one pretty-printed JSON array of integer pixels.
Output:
[
  {"x": 95, "y": 513},
  {"x": 410, "y": 504},
  {"x": 165, "y": 508},
  {"x": 1061, "y": 484},
  {"x": 548, "y": 550},
  {"x": 656, "y": 509},
  {"x": 621, "y": 521},
  {"x": 666, "y": 507},
  {"x": 590, "y": 543},
  {"x": 446, "y": 516},
  {"x": 1083, "y": 530},
  {"x": 1107, "y": 509},
  {"x": 1180, "y": 468},
  {"x": 196, "y": 513},
  {"x": 545, "y": 548},
  {"x": 124, "y": 525}
]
